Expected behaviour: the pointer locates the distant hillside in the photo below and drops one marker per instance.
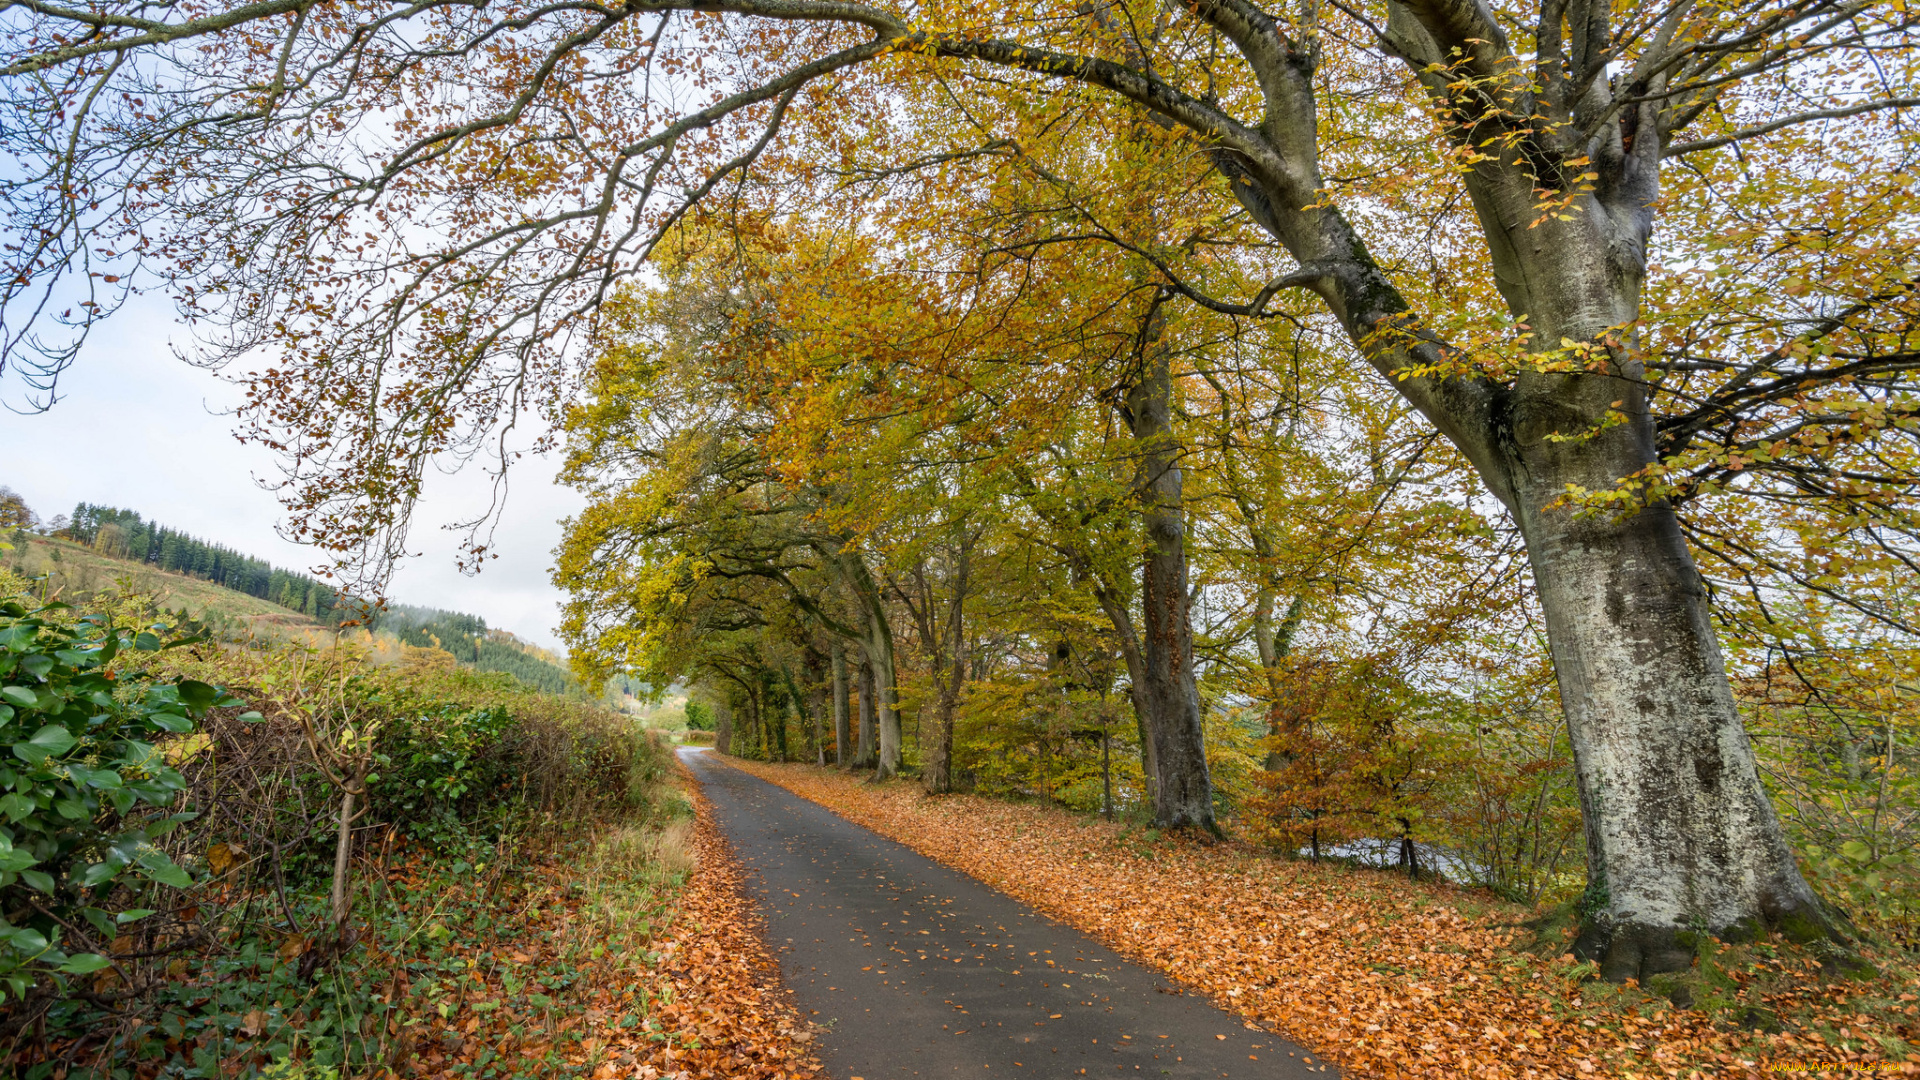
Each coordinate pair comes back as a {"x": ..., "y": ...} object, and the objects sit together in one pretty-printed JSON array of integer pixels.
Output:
[
  {"x": 125, "y": 534},
  {"x": 472, "y": 643},
  {"x": 237, "y": 595},
  {"x": 73, "y": 571}
]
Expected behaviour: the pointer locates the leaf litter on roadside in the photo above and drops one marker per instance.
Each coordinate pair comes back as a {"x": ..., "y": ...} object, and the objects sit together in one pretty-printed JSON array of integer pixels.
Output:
[
  {"x": 588, "y": 961},
  {"x": 1383, "y": 976},
  {"x": 703, "y": 1001}
]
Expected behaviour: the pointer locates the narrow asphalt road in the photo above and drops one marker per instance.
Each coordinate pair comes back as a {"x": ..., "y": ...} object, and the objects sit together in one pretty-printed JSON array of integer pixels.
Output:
[{"x": 918, "y": 970}]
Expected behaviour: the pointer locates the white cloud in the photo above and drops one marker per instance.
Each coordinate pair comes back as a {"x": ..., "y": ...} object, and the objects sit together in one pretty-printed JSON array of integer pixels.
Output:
[{"x": 138, "y": 428}]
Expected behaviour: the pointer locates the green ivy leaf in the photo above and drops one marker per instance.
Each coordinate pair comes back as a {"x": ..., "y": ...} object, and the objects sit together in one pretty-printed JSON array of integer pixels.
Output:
[
  {"x": 155, "y": 866},
  {"x": 167, "y": 824},
  {"x": 99, "y": 874},
  {"x": 102, "y": 778},
  {"x": 179, "y": 725},
  {"x": 20, "y": 696},
  {"x": 49, "y": 740},
  {"x": 190, "y": 639},
  {"x": 100, "y": 920},
  {"x": 198, "y": 696},
  {"x": 85, "y": 963}
]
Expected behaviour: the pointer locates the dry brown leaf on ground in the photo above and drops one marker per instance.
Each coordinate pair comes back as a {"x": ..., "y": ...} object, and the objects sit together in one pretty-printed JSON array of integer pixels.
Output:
[
  {"x": 1386, "y": 977},
  {"x": 726, "y": 1013}
]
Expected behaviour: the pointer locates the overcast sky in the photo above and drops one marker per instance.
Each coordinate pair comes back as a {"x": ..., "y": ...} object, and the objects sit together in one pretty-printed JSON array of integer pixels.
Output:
[{"x": 138, "y": 428}]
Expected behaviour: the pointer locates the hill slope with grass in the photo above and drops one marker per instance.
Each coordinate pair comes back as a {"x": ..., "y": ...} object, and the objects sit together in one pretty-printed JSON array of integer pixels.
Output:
[
  {"x": 73, "y": 570},
  {"x": 67, "y": 570}
]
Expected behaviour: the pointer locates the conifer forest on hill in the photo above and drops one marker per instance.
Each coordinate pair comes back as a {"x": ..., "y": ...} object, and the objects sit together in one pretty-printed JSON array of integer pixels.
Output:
[{"x": 1400, "y": 520}]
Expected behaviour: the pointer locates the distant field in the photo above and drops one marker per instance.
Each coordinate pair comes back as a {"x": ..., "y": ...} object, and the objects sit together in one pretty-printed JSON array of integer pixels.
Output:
[
  {"x": 670, "y": 712},
  {"x": 74, "y": 572}
]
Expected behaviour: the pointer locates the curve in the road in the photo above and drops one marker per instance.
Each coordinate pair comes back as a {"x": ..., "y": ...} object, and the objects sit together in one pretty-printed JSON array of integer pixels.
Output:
[{"x": 914, "y": 969}]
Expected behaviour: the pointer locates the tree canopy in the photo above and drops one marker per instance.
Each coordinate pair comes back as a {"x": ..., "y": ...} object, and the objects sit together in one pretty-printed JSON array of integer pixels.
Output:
[{"x": 1614, "y": 304}]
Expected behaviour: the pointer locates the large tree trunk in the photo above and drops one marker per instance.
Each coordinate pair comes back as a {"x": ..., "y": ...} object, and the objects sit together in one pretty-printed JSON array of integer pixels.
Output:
[
  {"x": 1169, "y": 693},
  {"x": 842, "y": 737},
  {"x": 756, "y": 727},
  {"x": 886, "y": 707},
  {"x": 1134, "y": 655},
  {"x": 782, "y": 726},
  {"x": 817, "y": 712},
  {"x": 722, "y": 728},
  {"x": 877, "y": 643},
  {"x": 864, "y": 756},
  {"x": 936, "y": 748},
  {"x": 1681, "y": 834},
  {"x": 949, "y": 652}
]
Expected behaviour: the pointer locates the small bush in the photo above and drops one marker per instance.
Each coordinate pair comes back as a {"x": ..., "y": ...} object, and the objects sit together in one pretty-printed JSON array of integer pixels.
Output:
[
  {"x": 166, "y": 848},
  {"x": 87, "y": 791},
  {"x": 699, "y": 716}
]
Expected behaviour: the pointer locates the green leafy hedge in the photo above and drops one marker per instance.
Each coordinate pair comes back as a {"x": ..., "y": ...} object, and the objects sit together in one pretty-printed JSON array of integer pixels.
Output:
[{"x": 84, "y": 791}]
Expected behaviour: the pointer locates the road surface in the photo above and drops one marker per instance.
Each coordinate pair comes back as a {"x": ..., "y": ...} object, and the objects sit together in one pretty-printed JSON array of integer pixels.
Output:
[{"x": 917, "y": 970}]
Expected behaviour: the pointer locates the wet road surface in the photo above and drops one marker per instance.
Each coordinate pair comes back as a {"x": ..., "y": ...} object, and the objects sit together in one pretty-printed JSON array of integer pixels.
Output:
[{"x": 917, "y": 970}]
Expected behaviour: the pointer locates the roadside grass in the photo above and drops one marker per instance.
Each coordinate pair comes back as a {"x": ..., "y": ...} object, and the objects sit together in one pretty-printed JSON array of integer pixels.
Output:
[{"x": 488, "y": 965}]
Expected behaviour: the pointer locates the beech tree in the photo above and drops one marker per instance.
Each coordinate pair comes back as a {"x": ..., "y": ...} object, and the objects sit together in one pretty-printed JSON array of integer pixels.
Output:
[
  {"x": 692, "y": 534},
  {"x": 412, "y": 206}
]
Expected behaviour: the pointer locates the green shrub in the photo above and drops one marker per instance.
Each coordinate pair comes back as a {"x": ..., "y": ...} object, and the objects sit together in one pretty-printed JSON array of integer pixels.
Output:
[
  {"x": 458, "y": 754},
  {"x": 165, "y": 856},
  {"x": 436, "y": 768},
  {"x": 699, "y": 716},
  {"x": 84, "y": 791}
]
